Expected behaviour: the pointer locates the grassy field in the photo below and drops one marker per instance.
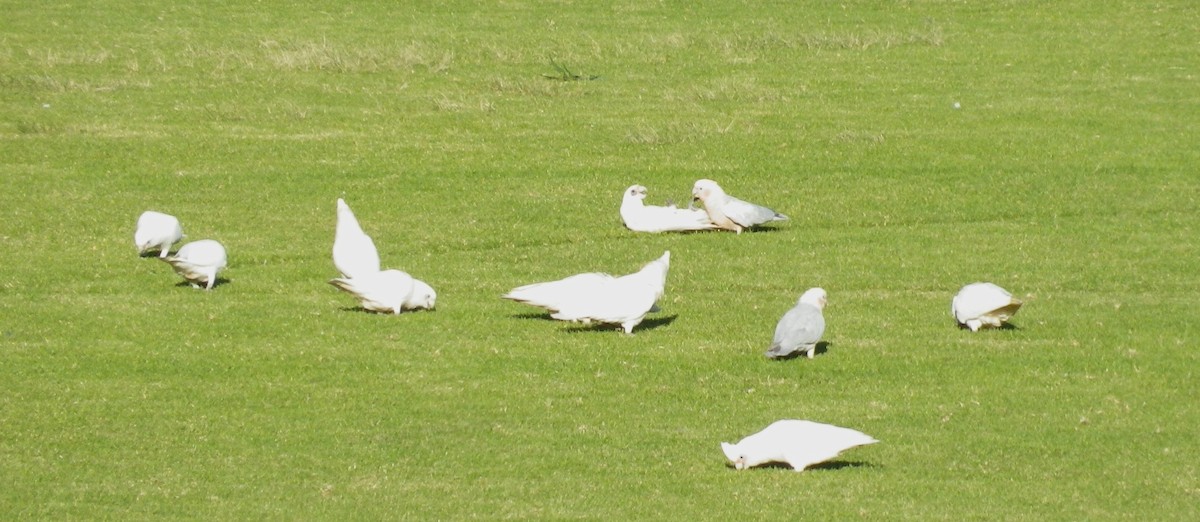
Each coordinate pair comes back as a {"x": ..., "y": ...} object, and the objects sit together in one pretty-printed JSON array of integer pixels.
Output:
[{"x": 1067, "y": 174}]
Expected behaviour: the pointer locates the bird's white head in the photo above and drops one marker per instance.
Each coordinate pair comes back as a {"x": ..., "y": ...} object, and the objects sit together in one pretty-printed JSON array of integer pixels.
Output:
[
  {"x": 734, "y": 454},
  {"x": 637, "y": 192},
  {"x": 423, "y": 295},
  {"x": 815, "y": 297},
  {"x": 704, "y": 189}
]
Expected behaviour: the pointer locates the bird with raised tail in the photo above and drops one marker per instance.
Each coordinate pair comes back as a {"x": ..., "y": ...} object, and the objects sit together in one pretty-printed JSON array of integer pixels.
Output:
[
  {"x": 640, "y": 217},
  {"x": 387, "y": 291},
  {"x": 801, "y": 328},
  {"x": 199, "y": 262},
  {"x": 601, "y": 298},
  {"x": 797, "y": 443},
  {"x": 728, "y": 212},
  {"x": 156, "y": 230},
  {"x": 980, "y": 305},
  {"x": 354, "y": 253}
]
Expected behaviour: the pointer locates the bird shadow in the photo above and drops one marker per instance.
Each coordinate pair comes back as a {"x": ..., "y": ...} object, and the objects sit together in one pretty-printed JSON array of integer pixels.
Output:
[
  {"x": 145, "y": 255},
  {"x": 832, "y": 465},
  {"x": 647, "y": 324},
  {"x": 219, "y": 282},
  {"x": 1003, "y": 326},
  {"x": 821, "y": 348}
]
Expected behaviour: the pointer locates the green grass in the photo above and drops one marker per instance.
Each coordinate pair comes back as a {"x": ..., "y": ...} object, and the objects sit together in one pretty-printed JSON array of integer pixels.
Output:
[{"x": 1068, "y": 175}]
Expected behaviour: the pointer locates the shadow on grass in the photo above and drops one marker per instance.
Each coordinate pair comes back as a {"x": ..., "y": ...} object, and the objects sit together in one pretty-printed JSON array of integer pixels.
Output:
[
  {"x": 359, "y": 309},
  {"x": 1003, "y": 326},
  {"x": 821, "y": 348},
  {"x": 647, "y": 324},
  {"x": 832, "y": 465},
  {"x": 220, "y": 281}
]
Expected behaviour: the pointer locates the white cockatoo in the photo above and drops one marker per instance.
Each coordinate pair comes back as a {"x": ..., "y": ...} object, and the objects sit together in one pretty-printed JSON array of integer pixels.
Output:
[
  {"x": 354, "y": 253},
  {"x": 640, "y": 217},
  {"x": 728, "y": 212},
  {"x": 386, "y": 291},
  {"x": 156, "y": 230},
  {"x": 797, "y": 443},
  {"x": 801, "y": 328},
  {"x": 599, "y": 297},
  {"x": 980, "y": 305},
  {"x": 198, "y": 262},
  {"x": 422, "y": 298}
]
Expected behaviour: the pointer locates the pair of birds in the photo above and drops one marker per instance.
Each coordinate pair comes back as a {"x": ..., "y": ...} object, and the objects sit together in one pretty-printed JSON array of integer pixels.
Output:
[
  {"x": 198, "y": 262},
  {"x": 355, "y": 256},
  {"x": 721, "y": 211},
  {"x": 976, "y": 306}
]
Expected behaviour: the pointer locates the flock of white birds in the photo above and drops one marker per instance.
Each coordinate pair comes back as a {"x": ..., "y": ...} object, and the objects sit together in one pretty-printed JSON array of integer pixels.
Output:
[{"x": 601, "y": 298}]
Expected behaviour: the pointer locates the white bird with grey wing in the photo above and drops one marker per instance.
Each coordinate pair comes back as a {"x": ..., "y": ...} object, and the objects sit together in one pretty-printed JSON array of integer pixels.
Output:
[
  {"x": 156, "y": 230},
  {"x": 640, "y": 217},
  {"x": 199, "y": 262},
  {"x": 601, "y": 298},
  {"x": 801, "y": 328},
  {"x": 980, "y": 305},
  {"x": 731, "y": 213},
  {"x": 797, "y": 443}
]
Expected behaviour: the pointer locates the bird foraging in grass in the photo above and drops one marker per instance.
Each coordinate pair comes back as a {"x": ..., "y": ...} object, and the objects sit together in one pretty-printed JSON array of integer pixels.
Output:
[
  {"x": 640, "y": 217},
  {"x": 728, "y": 212},
  {"x": 198, "y": 262},
  {"x": 801, "y": 328},
  {"x": 797, "y": 443},
  {"x": 156, "y": 230},
  {"x": 387, "y": 291},
  {"x": 601, "y": 298},
  {"x": 980, "y": 305},
  {"x": 422, "y": 297}
]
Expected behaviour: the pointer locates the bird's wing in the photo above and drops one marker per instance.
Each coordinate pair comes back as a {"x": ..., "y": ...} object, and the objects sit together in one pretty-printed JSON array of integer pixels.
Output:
[
  {"x": 748, "y": 214},
  {"x": 978, "y": 299},
  {"x": 554, "y": 295},
  {"x": 666, "y": 219}
]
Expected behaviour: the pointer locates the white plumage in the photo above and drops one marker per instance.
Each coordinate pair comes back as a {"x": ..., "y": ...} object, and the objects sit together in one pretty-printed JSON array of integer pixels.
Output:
[
  {"x": 386, "y": 291},
  {"x": 728, "y": 212},
  {"x": 354, "y": 253},
  {"x": 980, "y": 305},
  {"x": 156, "y": 230},
  {"x": 422, "y": 297},
  {"x": 640, "y": 217},
  {"x": 797, "y": 443},
  {"x": 599, "y": 297},
  {"x": 198, "y": 262},
  {"x": 801, "y": 328}
]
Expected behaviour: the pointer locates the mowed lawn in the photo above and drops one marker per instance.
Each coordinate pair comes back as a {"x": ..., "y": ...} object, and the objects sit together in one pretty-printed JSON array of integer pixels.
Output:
[{"x": 1052, "y": 148}]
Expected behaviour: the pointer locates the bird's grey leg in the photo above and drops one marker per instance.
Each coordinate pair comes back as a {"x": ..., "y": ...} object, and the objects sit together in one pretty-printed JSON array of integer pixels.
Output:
[{"x": 812, "y": 350}]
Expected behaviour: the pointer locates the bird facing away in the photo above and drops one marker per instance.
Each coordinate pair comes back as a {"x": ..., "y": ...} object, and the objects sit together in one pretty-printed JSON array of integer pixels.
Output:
[
  {"x": 422, "y": 298},
  {"x": 156, "y": 230},
  {"x": 601, "y": 298},
  {"x": 801, "y": 328},
  {"x": 640, "y": 217},
  {"x": 797, "y": 443},
  {"x": 980, "y": 305},
  {"x": 354, "y": 253},
  {"x": 198, "y": 262},
  {"x": 728, "y": 212},
  {"x": 386, "y": 291}
]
